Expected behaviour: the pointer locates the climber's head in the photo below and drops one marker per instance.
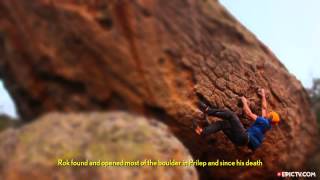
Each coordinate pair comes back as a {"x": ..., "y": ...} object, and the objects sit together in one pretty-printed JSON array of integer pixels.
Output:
[{"x": 273, "y": 117}]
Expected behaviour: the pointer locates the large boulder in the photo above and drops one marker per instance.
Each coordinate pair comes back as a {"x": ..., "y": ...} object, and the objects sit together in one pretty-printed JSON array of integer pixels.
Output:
[
  {"x": 33, "y": 152},
  {"x": 157, "y": 58}
]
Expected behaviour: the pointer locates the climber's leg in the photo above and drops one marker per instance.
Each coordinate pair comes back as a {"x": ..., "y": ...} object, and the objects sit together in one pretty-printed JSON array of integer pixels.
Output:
[
  {"x": 235, "y": 131},
  {"x": 231, "y": 125},
  {"x": 212, "y": 128},
  {"x": 221, "y": 113}
]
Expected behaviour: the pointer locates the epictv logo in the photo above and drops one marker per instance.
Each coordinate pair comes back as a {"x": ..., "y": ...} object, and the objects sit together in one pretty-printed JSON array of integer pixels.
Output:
[{"x": 304, "y": 174}]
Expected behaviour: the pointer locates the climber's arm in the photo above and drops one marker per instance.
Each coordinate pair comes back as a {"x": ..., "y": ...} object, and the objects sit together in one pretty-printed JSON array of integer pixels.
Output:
[
  {"x": 247, "y": 109},
  {"x": 264, "y": 102}
]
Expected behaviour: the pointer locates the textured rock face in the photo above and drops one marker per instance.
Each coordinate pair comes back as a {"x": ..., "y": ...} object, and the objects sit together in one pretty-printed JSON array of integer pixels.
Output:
[
  {"x": 153, "y": 57},
  {"x": 32, "y": 151}
]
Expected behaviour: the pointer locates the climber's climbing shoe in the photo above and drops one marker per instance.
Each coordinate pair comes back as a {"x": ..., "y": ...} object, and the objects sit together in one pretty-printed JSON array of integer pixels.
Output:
[
  {"x": 203, "y": 107},
  {"x": 196, "y": 127}
]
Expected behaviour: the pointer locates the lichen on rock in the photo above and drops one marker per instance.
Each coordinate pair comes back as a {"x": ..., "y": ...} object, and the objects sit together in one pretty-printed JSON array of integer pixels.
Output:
[{"x": 33, "y": 151}]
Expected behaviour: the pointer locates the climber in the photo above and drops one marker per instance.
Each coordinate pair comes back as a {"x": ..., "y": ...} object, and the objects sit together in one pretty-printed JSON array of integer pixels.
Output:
[{"x": 233, "y": 128}]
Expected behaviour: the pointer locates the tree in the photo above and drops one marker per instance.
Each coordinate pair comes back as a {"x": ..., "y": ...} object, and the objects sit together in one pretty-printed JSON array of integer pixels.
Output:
[
  {"x": 315, "y": 91},
  {"x": 315, "y": 98}
]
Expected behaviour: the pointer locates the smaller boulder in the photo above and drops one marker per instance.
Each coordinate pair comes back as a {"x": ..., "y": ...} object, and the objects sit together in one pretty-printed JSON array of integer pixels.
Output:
[{"x": 38, "y": 150}]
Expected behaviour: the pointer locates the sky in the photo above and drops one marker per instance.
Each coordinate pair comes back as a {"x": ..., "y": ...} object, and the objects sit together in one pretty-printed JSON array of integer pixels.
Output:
[
  {"x": 6, "y": 104},
  {"x": 290, "y": 28}
]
